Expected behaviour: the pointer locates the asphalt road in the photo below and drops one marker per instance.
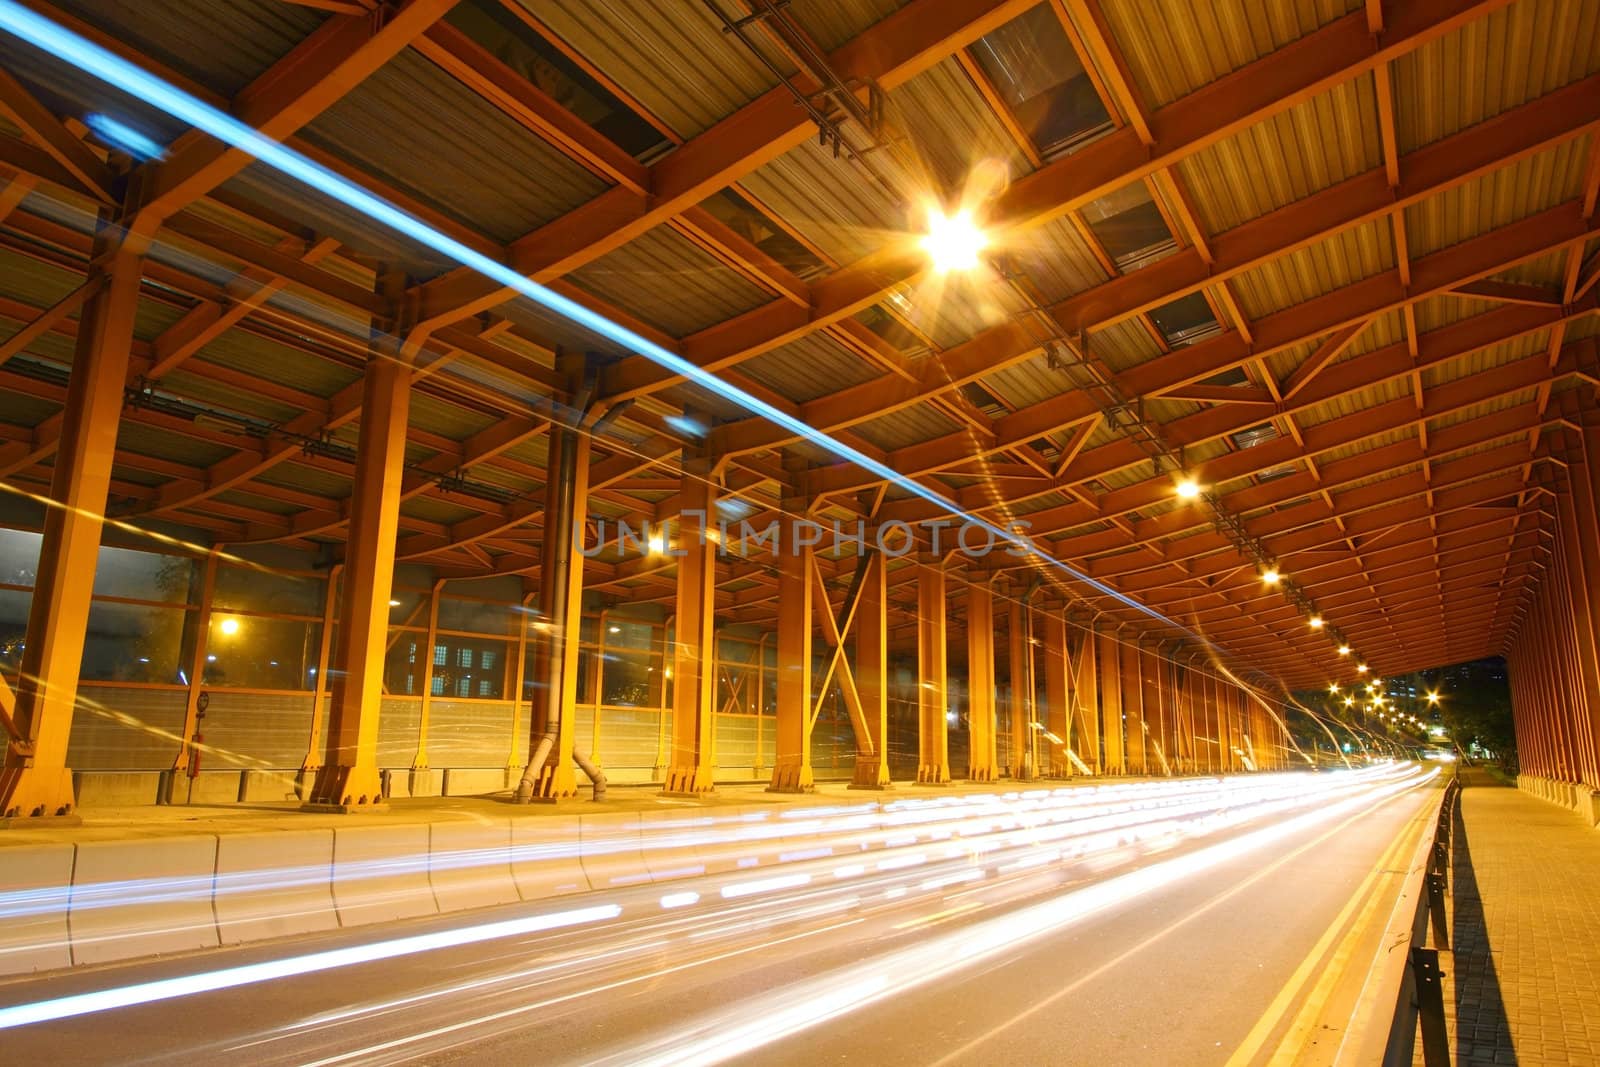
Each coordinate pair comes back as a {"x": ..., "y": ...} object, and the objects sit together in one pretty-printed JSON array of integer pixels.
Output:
[{"x": 1162, "y": 944}]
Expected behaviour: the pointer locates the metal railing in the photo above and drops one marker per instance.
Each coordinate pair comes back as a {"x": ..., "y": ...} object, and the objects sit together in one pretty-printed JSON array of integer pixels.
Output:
[{"x": 1420, "y": 1005}]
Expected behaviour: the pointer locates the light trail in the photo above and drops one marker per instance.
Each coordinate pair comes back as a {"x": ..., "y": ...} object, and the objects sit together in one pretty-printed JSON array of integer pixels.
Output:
[
  {"x": 56, "y": 40},
  {"x": 1087, "y": 831}
]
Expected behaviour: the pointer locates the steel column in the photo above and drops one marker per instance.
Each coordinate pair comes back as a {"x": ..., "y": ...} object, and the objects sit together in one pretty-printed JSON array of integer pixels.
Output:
[
  {"x": 1021, "y": 713},
  {"x": 1109, "y": 659},
  {"x": 791, "y": 766},
  {"x": 1057, "y": 708},
  {"x": 34, "y": 779},
  {"x": 981, "y": 761},
  {"x": 933, "y": 694},
  {"x": 1084, "y": 694},
  {"x": 872, "y": 674},
  {"x": 1130, "y": 677},
  {"x": 694, "y": 684},
  {"x": 348, "y": 778}
]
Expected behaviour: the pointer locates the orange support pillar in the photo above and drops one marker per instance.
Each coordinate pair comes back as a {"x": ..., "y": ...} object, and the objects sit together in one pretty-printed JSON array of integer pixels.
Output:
[
  {"x": 791, "y": 768},
  {"x": 981, "y": 763},
  {"x": 1084, "y": 694},
  {"x": 348, "y": 778},
  {"x": 553, "y": 722},
  {"x": 872, "y": 673},
  {"x": 1057, "y": 704},
  {"x": 693, "y": 764},
  {"x": 1108, "y": 655},
  {"x": 34, "y": 779},
  {"x": 1131, "y": 678},
  {"x": 1161, "y": 755},
  {"x": 933, "y": 679},
  {"x": 1022, "y": 714}
]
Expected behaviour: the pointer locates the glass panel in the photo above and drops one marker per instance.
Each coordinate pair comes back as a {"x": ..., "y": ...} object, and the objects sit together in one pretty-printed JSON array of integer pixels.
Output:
[
  {"x": 473, "y": 667},
  {"x": 133, "y": 643},
  {"x": 517, "y": 45},
  {"x": 142, "y": 576},
  {"x": 19, "y": 557},
  {"x": 1129, "y": 227},
  {"x": 631, "y": 680},
  {"x": 475, "y": 616},
  {"x": 13, "y": 629},
  {"x": 1186, "y": 320},
  {"x": 257, "y": 653},
  {"x": 1032, "y": 65},
  {"x": 248, "y": 589},
  {"x": 404, "y": 664}
]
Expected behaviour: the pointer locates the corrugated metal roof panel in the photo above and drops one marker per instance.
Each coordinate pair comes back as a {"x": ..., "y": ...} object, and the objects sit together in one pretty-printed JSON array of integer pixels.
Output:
[
  {"x": 32, "y": 282},
  {"x": 193, "y": 386},
  {"x": 907, "y": 427},
  {"x": 1496, "y": 199},
  {"x": 436, "y": 509},
  {"x": 1124, "y": 344},
  {"x": 1174, "y": 47},
  {"x": 828, "y": 201},
  {"x": 952, "y": 128},
  {"x": 1057, "y": 259},
  {"x": 151, "y": 441},
  {"x": 1478, "y": 411},
  {"x": 832, "y": 24},
  {"x": 673, "y": 58},
  {"x": 414, "y": 126},
  {"x": 433, "y": 415},
  {"x": 669, "y": 282},
  {"x": 1339, "y": 261},
  {"x": 247, "y": 352},
  {"x": 307, "y": 479},
  {"x": 23, "y": 410},
  {"x": 223, "y": 47},
  {"x": 1321, "y": 142},
  {"x": 1493, "y": 64},
  {"x": 1485, "y": 359},
  {"x": 814, "y": 366}
]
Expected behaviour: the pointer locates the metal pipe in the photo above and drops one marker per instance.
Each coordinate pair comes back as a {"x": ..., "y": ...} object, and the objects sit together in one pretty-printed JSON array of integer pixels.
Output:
[
  {"x": 530, "y": 773},
  {"x": 596, "y": 775}
]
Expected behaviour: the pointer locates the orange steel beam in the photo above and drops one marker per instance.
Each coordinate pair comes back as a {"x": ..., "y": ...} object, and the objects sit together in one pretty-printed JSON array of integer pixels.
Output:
[
  {"x": 1259, "y": 90},
  {"x": 34, "y": 779},
  {"x": 89, "y": 172},
  {"x": 312, "y": 77},
  {"x": 890, "y": 53},
  {"x": 1446, "y": 164},
  {"x": 1501, "y": 248}
]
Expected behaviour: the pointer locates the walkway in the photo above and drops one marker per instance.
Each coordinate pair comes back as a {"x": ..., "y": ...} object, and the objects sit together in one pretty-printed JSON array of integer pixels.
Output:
[{"x": 1525, "y": 930}]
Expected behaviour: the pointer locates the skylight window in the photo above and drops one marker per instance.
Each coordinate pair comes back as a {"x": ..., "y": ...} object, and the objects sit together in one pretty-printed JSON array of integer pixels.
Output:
[
  {"x": 1033, "y": 67},
  {"x": 521, "y": 48},
  {"x": 1129, "y": 227},
  {"x": 746, "y": 220},
  {"x": 1186, "y": 321}
]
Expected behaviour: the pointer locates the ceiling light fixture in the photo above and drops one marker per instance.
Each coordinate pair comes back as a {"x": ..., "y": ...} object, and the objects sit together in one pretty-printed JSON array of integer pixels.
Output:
[{"x": 953, "y": 241}]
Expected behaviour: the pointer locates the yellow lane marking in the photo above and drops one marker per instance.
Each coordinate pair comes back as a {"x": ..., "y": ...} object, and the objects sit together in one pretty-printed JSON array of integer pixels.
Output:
[
  {"x": 1360, "y": 899},
  {"x": 941, "y": 916}
]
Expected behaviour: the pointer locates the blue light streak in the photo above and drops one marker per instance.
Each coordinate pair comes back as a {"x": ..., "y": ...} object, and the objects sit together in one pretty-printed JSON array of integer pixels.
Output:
[
  {"x": 62, "y": 43},
  {"x": 120, "y": 135}
]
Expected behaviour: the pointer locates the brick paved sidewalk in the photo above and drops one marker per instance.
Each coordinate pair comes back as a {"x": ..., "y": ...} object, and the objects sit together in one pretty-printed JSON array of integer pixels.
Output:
[{"x": 1525, "y": 931}]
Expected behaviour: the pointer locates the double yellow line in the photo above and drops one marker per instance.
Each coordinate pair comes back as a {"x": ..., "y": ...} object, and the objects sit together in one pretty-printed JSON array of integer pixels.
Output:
[{"x": 1329, "y": 960}]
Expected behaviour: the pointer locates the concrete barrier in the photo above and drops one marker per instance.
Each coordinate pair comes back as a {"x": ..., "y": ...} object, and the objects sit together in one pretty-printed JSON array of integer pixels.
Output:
[
  {"x": 33, "y": 908},
  {"x": 380, "y": 873},
  {"x": 257, "y": 787},
  {"x": 142, "y": 898},
  {"x": 545, "y": 857},
  {"x": 474, "y": 781},
  {"x": 469, "y": 865},
  {"x": 295, "y": 898},
  {"x": 105, "y": 789},
  {"x": 610, "y": 850},
  {"x": 672, "y": 843}
]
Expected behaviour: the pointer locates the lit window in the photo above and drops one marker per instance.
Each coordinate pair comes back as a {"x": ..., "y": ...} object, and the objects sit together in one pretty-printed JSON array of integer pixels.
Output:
[
  {"x": 1129, "y": 227},
  {"x": 1033, "y": 67},
  {"x": 439, "y": 656},
  {"x": 486, "y": 660},
  {"x": 516, "y": 44},
  {"x": 463, "y": 657}
]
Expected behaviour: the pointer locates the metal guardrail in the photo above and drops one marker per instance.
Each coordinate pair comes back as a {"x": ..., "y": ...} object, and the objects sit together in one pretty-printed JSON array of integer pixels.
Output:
[{"x": 1420, "y": 1005}]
